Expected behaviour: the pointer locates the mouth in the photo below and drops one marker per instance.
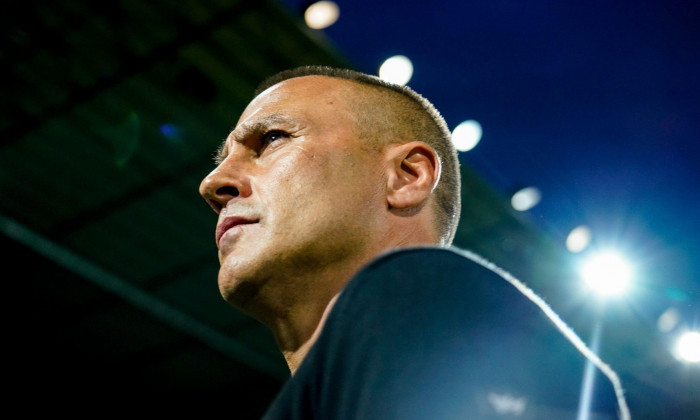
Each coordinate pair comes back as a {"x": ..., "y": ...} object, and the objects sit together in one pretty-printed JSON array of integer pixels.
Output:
[{"x": 229, "y": 223}]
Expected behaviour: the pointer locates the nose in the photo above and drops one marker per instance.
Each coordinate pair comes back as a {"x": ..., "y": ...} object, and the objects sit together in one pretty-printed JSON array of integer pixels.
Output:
[{"x": 222, "y": 185}]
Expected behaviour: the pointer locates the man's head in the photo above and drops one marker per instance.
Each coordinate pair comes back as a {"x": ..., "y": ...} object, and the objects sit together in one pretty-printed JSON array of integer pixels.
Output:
[
  {"x": 389, "y": 113},
  {"x": 324, "y": 170}
]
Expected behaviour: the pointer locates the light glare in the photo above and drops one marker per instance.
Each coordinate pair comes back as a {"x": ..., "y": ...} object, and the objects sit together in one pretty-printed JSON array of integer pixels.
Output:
[
  {"x": 397, "y": 69},
  {"x": 525, "y": 199},
  {"x": 607, "y": 273},
  {"x": 321, "y": 14},
  {"x": 506, "y": 404},
  {"x": 467, "y": 135},
  {"x": 578, "y": 239},
  {"x": 668, "y": 320},
  {"x": 688, "y": 347}
]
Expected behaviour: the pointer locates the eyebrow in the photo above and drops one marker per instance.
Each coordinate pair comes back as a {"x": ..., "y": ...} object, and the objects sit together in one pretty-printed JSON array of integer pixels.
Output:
[{"x": 247, "y": 130}]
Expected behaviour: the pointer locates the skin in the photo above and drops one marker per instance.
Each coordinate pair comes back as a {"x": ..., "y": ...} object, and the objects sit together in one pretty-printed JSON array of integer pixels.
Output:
[{"x": 318, "y": 203}]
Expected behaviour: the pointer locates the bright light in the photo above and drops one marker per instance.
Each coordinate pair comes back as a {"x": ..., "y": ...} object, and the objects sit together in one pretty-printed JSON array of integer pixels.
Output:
[
  {"x": 321, "y": 14},
  {"x": 607, "y": 273},
  {"x": 688, "y": 347},
  {"x": 506, "y": 404},
  {"x": 578, "y": 239},
  {"x": 526, "y": 199},
  {"x": 668, "y": 320},
  {"x": 397, "y": 69},
  {"x": 467, "y": 135}
]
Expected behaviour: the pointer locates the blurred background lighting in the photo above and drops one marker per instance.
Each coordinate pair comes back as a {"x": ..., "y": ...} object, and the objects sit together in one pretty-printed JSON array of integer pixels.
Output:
[
  {"x": 668, "y": 320},
  {"x": 397, "y": 69},
  {"x": 170, "y": 131},
  {"x": 525, "y": 199},
  {"x": 506, "y": 404},
  {"x": 607, "y": 273},
  {"x": 321, "y": 14},
  {"x": 688, "y": 347},
  {"x": 578, "y": 239},
  {"x": 467, "y": 135}
]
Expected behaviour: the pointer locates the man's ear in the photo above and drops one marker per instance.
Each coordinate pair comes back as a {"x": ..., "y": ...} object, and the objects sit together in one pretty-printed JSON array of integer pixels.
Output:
[{"x": 413, "y": 173}]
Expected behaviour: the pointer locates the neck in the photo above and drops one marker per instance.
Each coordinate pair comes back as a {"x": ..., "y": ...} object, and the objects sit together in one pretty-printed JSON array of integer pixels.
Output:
[
  {"x": 295, "y": 354},
  {"x": 296, "y": 313},
  {"x": 302, "y": 308}
]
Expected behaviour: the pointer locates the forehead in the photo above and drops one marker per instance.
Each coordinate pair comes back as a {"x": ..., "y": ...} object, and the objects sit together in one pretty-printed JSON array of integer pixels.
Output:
[{"x": 302, "y": 96}]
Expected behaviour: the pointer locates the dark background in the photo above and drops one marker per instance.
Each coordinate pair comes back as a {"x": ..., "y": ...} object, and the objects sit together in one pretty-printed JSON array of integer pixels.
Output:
[{"x": 111, "y": 112}]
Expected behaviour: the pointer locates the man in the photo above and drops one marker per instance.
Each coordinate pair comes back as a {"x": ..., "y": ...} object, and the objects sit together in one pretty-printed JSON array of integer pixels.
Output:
[{"x": 338, "y": 197}]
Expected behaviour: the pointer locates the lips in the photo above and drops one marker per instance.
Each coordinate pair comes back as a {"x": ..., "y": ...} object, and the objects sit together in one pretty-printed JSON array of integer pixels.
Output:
[{"x": 229, "y": 223}]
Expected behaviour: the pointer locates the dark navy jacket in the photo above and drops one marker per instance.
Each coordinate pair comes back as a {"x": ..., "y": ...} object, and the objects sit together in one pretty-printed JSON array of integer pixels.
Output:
[{"x": 429, "y": 334}]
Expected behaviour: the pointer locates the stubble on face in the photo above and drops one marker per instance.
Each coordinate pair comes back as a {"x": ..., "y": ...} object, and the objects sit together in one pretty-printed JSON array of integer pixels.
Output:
[{"x": 318, "y": 195}]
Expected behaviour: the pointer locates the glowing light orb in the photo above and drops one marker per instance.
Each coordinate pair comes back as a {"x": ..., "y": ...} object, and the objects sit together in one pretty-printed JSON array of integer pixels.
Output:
[
  {"x": 525, "y": 199},
  {"x": 668, "y": 320},
  {"x": 397, "y": 69},
  {"x": 321, "y": 14},
  {"x": 578, "y": 239},
  {"x": 607, "y": 273},
  {"x": 467, "y": 135},
  {"x": 688, "y": 347}
]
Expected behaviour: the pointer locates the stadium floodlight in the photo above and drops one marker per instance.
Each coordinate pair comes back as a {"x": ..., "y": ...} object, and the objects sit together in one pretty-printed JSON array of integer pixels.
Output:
[{"x": 607, "y": 273}]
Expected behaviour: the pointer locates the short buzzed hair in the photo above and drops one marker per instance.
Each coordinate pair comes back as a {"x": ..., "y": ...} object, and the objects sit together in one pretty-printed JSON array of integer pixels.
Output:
[{"x": 390, "y": 111}]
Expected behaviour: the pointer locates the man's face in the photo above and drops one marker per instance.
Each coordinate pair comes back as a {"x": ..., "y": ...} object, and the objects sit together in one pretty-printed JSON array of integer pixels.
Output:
[{"x": 297, "y": 192}]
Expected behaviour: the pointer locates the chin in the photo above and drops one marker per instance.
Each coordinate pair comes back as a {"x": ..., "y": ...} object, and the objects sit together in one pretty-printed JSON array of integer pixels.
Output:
[
  {"x": 239, "y": 284},
  {"x": 239, "y": 295}
]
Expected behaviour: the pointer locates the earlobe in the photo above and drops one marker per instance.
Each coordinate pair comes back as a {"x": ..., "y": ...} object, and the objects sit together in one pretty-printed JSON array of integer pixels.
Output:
[{"x": 413, "y": 174}]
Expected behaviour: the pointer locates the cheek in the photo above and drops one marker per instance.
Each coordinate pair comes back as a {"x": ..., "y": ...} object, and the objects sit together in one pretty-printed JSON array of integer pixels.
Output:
[
  {"x": 306, "y": 186},
  {"x": 301, "y": 171},
  {"x": 290, "y": 190}
]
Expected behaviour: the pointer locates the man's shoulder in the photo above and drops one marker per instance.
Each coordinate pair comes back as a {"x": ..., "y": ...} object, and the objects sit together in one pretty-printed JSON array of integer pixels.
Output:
[
  {"x": 492, "y": 330},
  {"x": 433, "y": 332},
  {"x": 453, "y": 288},
  {"x": 448, "y": 267},
  {"x": 422, "y": 256},
  {"x": 430, "y": 251}
]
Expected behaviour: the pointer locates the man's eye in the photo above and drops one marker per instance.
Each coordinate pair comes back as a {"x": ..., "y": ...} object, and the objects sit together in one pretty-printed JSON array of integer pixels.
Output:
[{"x": 272, "y": 136}]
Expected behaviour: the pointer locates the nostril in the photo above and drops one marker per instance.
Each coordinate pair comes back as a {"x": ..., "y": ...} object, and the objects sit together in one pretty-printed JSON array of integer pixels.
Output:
[{"x": 227, "y": 191}]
